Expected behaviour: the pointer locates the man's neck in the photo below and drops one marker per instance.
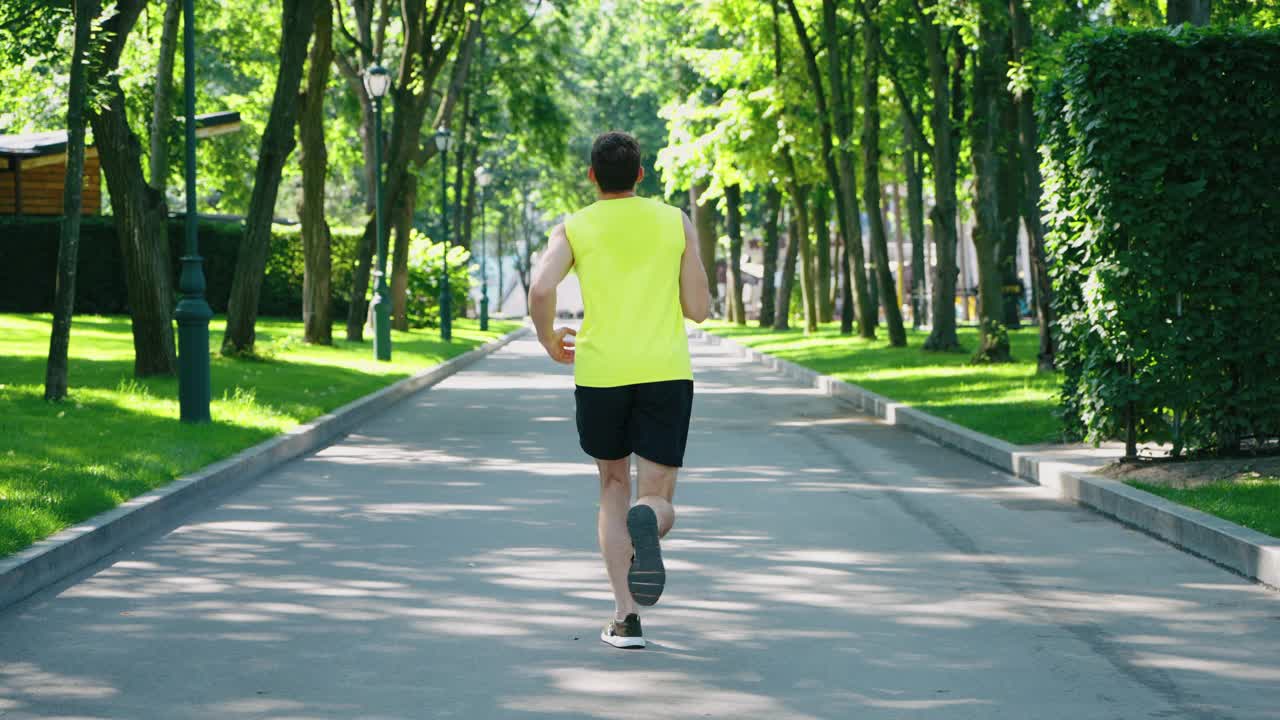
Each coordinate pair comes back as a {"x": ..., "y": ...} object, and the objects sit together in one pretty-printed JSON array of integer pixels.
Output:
[{"x": 616, "y": 195}]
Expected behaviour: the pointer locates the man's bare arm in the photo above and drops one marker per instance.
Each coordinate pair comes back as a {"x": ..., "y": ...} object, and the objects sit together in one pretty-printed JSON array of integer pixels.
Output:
[
  {"x": 552, "y": 267},
  {"x": 695, "y": 296}
]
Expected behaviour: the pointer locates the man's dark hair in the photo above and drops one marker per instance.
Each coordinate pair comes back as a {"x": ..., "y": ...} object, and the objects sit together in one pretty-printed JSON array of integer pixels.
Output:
[{"x": 615, "y": 158}]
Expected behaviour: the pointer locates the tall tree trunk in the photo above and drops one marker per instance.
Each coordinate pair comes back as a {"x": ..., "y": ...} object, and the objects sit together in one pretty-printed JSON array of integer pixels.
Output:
[
  {"x": 733, "y": 223},
  {"x": 460, "y": 176},
  {"x": 1009, "y": 197},
  {"x": 984, "y": 132},
  {"x": 458, "y": 222},
  {"x": 403, "y": 218},
  {"x": 846, "y": 290},
  {"x": 772, "y": 207},
  {"x": 871, "y": 171},
  {"x": 782, "y": 313},
  {"x": 1195, "y": 12},
  {"x": 277, "y": 142},
  {"x": 140, "y": 212},
  {"x": 898, "y": 239},
  {"x": 162, "y": 112},
  {"x": 317, "y": 250},
  {"x": 55, "y": 375},
  {"x": 1029, "y": 154},
  {"x": 822, "y": 255},
  {"x": 469, "y": 202},
  {"x": 837, "y": 257},
  {"x": 704, "y": 222},
  {"x": 943, "y": 216},
  {"x": 915, "y": 223},
  {"x": 808, "y": 294},
  {"x": 838, "y": 162}
]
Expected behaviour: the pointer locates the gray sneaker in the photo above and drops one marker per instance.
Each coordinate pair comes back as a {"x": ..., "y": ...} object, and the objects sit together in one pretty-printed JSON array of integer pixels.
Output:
[
  {"x": 647, "y": 576},
  {"x": 626, "y": 634}
]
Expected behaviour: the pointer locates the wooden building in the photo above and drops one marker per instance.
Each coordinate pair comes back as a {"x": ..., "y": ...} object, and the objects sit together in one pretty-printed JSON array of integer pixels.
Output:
[{"x": 33, "y": 168}]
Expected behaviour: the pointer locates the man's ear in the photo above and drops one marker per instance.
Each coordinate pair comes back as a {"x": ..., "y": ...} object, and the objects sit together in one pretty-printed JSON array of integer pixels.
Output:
[
  {"x": 591, "y": 175},
  {"x": 640, "y": 175}
]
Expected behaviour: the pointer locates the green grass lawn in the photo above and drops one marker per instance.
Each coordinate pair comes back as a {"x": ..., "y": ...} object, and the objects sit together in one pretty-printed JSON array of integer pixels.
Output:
[
  {"x": 1010, "y": 401},
  {"x": 117, "y": 437},
  {"x": 1252, "y": 502}
]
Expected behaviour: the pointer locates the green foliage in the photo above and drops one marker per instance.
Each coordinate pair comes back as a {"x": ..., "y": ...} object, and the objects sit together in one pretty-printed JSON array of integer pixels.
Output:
[
  {"x": 426, "y": 267},
  {"x": 1161, "y": 181},
  {"x": 31, "y": 253}
]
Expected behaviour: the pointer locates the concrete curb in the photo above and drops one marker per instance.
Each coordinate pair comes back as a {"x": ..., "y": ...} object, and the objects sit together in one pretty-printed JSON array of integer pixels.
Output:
[
  {"x": 1245, "y": 551},
  {"x": 66, "y": 552}
]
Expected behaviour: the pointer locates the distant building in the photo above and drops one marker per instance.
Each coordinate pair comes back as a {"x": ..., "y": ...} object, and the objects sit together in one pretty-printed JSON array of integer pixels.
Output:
[{"x": 33, "y": 167}]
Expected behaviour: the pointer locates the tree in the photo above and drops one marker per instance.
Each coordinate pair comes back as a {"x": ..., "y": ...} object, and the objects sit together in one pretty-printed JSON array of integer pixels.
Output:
[
  {"x": 984, "y": 130},
  {"x": 140, "y": 211},
  {"x": 822, "y": 257},
  {"x": 1029, "y": 155},
  {"x": 428, "y": 38},
  {"x": 945, "y": 153},
  {"x": 317, "y": 305},
  {"x": 782, "y": 313},
  {"x": 277, "y": 142},
  {"x": 914, "y": 176},
  {"x": 733, "y": 222},
  {"x": 55, "y": 379},
  {"x": 704, "y": 222},
  {"x": 772, "y": 209},
  {"x": 871, "y": 170},
  {"x": 162, "y": 97},
  {"x": 839, "y": 165}
]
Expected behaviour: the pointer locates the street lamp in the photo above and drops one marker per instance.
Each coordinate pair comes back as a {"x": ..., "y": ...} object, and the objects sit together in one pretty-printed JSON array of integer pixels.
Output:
[
  {"x": 445, "y": 143},
  {"x": 483, "y": 178},
  {"x": 193, "y": 311},
  {"x": 376, "y": 83}
]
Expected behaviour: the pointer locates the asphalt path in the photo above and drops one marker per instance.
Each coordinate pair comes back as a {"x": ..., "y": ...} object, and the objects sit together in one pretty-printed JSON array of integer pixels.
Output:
[{"x": 441, "y": 563}]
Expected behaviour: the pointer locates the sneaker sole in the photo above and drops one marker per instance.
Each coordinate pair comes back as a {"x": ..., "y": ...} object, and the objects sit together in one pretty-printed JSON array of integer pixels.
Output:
[
  {"x": 647, "y": 576},
  {"x": 622, "y": 643}
]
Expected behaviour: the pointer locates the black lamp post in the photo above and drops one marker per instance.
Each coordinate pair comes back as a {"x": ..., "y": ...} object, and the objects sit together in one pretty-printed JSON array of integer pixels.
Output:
[
  {"x": 376, "y": 82},
  {"x": 483, "y": 178},
  {"x": 193, "y": 311},
  {"x": 445, "y": 143}
]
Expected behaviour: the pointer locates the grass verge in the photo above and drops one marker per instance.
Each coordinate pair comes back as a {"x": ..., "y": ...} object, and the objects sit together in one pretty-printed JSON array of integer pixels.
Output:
[
  {"x": 117, "y": 437},
  {"x": 1251, "y": 502},
  {"x": 1010, "y": 401}
]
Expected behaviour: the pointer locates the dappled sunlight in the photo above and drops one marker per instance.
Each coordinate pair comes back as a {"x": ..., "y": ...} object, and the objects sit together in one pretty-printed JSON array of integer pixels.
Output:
[
  {"x": 444, "y": 555},
  {"x": 590, "y": 691}
]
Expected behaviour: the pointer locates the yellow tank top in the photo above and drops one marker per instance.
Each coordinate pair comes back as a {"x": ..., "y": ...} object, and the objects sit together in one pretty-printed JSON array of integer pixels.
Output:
[{"x": 627, "y": 255}]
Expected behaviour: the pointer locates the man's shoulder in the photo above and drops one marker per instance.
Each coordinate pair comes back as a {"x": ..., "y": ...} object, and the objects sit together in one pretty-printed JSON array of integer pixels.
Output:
[{"x": 662, "y": 208}]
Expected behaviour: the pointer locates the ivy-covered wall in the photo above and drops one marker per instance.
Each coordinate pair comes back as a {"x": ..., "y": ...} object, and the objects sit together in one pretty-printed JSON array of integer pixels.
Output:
[{"x": 1162, "y": 200}]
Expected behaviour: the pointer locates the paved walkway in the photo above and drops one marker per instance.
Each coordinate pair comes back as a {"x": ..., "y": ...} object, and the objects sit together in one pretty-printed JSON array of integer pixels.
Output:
[{"x": 441, "y": 564}]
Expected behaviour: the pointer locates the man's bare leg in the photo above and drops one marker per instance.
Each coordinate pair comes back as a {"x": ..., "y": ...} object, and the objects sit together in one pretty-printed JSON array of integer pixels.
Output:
[
  {"x": 657, "y": 486},
  {"x": 648, "y": 520},
  {"x": 615, "y": 542}
]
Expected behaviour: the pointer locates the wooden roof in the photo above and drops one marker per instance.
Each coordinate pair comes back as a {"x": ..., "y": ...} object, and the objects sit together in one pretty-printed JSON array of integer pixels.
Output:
[{"x": 43, "y": 144}]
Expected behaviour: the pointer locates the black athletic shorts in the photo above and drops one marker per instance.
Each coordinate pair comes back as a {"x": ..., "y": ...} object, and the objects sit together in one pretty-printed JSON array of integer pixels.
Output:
[{"x": 648, "y": 419}]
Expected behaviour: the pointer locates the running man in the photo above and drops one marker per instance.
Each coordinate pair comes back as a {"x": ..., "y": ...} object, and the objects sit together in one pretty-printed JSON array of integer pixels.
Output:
[{"x": 638, "y": 265}]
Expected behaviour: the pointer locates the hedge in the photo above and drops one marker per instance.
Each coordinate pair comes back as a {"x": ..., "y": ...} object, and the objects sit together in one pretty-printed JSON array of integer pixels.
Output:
[
  {"x": 1162, "y": 200},
  {"x": 29, "y": 254}
]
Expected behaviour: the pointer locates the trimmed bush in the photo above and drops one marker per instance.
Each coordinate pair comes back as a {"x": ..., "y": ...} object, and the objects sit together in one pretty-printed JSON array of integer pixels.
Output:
[
  {"x": 29, "y": 254},
  {"x": 1162, "y": 197},
  {"x": 426, "y": 261}
]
